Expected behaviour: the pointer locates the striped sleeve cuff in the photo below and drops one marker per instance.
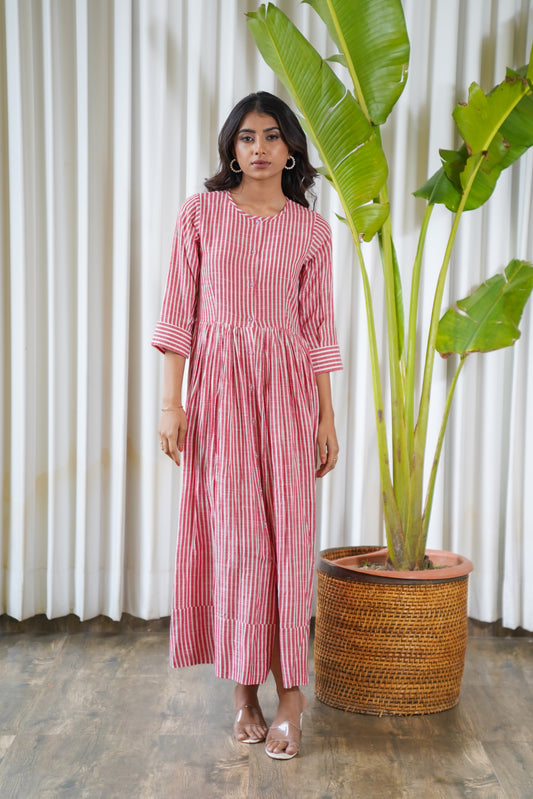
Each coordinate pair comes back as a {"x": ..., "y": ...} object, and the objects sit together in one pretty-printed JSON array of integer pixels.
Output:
[
  {"x": 326, "y": 359},
  {"x": 168, "y": 337}
]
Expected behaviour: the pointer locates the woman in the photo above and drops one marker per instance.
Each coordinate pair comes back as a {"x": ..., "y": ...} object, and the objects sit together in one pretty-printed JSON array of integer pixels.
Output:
[{"x": 248, "y": 297}]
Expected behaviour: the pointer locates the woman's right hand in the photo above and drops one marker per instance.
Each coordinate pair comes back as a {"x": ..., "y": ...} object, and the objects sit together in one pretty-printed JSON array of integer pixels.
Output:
[{"x": 172, "y": 429}]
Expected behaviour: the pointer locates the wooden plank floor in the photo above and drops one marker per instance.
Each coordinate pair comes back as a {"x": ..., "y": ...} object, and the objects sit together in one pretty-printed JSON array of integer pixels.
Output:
[{"x": 100, "y": 714}]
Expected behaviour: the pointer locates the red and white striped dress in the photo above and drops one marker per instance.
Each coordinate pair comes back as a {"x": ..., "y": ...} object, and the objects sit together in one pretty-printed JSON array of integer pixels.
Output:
[{"x": 249, "y": 299}]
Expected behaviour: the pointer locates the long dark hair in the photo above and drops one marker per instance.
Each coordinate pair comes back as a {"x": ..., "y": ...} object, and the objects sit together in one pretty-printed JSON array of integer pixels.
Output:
[{"x": 294, "y": 182}]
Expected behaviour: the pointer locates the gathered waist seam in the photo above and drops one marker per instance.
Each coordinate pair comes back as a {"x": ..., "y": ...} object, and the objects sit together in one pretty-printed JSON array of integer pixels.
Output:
[{"x": 249, "y": 326}]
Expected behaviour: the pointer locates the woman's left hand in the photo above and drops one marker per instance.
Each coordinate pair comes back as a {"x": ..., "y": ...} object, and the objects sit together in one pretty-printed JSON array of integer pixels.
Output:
[{"x": 327, "y": 445}]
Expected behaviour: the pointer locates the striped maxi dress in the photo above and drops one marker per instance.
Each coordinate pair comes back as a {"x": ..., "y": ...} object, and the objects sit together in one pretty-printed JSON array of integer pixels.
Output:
[{"x": 249, "y": 300}]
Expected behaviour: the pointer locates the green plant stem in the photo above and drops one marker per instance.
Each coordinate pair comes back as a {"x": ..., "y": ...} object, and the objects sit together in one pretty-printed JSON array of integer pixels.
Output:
[
  {"x": 423, "y": 415},
  {"x": 393, "y": 526},
  {"x": 438, "y": 449},
  {"x": 412, "y": 521},
  {"x": 411, "y": 335},
  {"x": 415, "y": 536},
  {"x": 400, "y": 460}
]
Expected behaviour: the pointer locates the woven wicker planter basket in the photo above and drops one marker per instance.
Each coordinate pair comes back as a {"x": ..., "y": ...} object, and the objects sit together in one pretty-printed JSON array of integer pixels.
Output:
[{"x": 388, "y": 646}]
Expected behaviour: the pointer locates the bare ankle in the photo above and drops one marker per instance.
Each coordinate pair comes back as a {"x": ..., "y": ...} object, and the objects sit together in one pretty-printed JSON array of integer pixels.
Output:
[
  {"x": 289, "y": 693},
  {"x": 245, "y": 694}
]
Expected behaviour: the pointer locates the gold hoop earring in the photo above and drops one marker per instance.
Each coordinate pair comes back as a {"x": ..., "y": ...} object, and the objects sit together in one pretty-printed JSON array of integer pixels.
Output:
[
  {"x": 234, "y": 161},
  {"x": 293, "y": 163}
]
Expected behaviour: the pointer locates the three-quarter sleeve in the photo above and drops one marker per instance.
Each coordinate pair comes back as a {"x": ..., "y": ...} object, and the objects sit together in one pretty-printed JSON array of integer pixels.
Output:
[
  {"x": 178, "y": 314},
  {"x": 316, "y": 303}
]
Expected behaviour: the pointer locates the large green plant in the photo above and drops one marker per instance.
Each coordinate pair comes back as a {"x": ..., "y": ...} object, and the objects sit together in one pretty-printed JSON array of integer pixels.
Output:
[{"x": 343, "y": 120}]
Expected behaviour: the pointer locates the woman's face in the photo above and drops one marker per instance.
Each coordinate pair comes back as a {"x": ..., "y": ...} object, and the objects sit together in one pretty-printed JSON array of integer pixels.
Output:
[{"x": 259, "y": 148}]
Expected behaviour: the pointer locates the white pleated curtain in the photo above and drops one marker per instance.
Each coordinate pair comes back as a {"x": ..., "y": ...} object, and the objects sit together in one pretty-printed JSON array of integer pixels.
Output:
[{"x": 109, "y": 118}]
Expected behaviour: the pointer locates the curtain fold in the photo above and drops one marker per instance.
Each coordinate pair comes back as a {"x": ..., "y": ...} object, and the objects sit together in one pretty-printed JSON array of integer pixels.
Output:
[{"x": 109, "y": 115}]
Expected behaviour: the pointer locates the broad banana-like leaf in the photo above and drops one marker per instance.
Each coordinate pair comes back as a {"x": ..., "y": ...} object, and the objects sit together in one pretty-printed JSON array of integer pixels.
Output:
[
  {"x": 497, "y": 129},
  {"x": 374, "y": 46},
  {"x": 346, "y": 141},
  {"x": 488, "y": 319}
]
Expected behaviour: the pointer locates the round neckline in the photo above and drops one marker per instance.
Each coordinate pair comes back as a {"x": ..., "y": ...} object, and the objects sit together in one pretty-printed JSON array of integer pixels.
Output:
[{"x": 256, "y": 216}]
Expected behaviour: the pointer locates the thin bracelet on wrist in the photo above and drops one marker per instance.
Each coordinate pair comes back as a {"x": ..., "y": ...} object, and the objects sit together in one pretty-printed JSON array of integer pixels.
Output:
[{"x": 177, "y": 408}]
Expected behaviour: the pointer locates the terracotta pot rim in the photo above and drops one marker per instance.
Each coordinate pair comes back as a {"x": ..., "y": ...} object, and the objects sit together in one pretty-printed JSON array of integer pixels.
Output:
[{"x": 452, "y": 567}]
